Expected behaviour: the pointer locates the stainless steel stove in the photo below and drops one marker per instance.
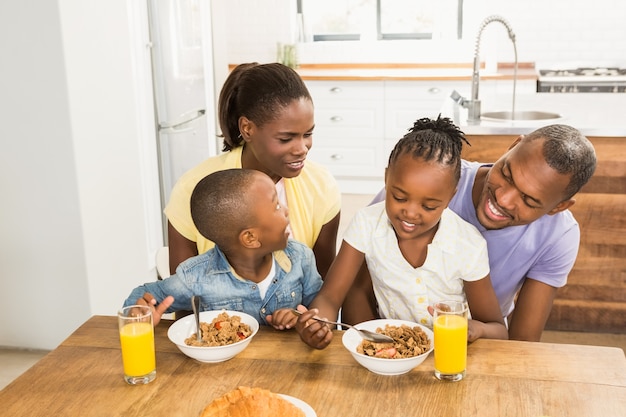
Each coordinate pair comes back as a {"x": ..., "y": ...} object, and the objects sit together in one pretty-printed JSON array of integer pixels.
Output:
[{"x": 582, "y": 80}]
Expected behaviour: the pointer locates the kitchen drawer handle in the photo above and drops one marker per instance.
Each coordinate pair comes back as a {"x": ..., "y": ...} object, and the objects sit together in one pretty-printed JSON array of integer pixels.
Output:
[
  {"x": 336, "y": 157},
  {"x": 336, "y": 119},
  {"x": 335, "y": 90},
  {"x": 434, "y": 90}
]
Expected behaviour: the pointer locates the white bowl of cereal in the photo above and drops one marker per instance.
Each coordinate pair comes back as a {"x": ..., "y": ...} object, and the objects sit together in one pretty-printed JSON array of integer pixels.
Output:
[
  {"x": 413, "y": 344},
  {"x": 225, "y": 334}
]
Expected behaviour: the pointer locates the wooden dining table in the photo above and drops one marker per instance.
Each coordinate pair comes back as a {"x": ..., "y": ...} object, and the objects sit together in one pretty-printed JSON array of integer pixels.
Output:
[{"x": 83, "y": 377}]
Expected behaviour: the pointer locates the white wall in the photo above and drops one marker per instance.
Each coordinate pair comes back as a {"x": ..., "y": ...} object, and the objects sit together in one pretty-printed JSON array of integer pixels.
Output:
[
  {"x": 42, "y": 261},
  {"x": 76, "y": 233},
  {"x": 547, "y": 32},
  {"x": 116, "y": 170}
]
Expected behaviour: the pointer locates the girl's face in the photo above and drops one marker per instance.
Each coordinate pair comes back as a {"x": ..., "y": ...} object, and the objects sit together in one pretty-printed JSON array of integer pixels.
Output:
[
  {"x": 417, "y": 192},
  {"x": 279, "y": 147}
]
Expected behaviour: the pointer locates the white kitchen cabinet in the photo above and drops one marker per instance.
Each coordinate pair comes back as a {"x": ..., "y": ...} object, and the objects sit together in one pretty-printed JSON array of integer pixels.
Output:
[
  {"x": 347, "y": 109},
  {"x": 407, "y": 101},
  {"x": 349, "y": 131},
  {"x": 357, "y": 123}
]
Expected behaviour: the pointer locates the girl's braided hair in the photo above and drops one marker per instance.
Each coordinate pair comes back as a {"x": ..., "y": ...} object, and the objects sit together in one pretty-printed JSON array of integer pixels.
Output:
[{"x": 429, "y": 139}]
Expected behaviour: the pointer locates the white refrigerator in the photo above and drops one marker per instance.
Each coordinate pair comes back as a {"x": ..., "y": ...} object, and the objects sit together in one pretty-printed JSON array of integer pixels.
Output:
[{"x": 183, "y": 77}]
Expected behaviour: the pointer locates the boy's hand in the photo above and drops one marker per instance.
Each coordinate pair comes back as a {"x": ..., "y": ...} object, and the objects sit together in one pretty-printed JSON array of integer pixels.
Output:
[
  {"x": 157, "y": 310},
  {"x": 312, "y": 332},
  {"x": 282, "y": 319}
]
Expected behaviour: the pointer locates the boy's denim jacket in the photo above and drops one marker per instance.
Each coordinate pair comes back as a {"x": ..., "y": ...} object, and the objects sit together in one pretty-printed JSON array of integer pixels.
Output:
[{"x": 211, "y": 276}]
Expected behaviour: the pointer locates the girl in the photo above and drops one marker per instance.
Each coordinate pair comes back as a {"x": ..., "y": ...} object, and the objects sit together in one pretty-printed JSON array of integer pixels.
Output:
[{"x": 416, "y": 249}]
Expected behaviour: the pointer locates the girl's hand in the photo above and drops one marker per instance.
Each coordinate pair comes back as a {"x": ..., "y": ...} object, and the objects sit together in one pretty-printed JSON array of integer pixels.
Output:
[
  {"x": 312, "y": 332},
  {"x": 474, "y": 330},
  {"x": 474, "y": 327}
]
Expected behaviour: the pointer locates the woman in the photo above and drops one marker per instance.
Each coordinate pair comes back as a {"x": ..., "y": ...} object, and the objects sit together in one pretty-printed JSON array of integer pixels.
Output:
[{"x": 266, "y": 118}]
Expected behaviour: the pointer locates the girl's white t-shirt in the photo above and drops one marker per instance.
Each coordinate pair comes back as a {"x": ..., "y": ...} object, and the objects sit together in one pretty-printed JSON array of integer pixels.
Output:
[{"x": 457, "y": 253}]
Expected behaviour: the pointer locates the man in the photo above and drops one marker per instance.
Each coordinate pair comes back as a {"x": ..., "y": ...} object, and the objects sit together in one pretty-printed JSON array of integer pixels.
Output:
[{"x": 520, "y": 205}]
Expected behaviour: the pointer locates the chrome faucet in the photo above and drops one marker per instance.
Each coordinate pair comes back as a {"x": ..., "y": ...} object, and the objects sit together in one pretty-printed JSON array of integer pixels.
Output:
[{"x": 473, "y": 104}]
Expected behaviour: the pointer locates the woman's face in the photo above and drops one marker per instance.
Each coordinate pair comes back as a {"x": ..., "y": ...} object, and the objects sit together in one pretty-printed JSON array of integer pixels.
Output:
[
  {"x": 280, "y": 146},
  {"x": 417, "y": 193}
]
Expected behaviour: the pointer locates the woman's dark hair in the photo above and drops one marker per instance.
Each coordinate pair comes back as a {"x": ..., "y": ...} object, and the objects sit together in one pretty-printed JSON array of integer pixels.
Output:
[
  {"x": 257, "y": 92},
  {"x": 429, "y": 139}
]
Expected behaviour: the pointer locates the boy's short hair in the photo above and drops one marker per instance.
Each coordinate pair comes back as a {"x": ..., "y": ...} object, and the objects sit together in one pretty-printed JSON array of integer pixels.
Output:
[{"x": 219, "y": 204}]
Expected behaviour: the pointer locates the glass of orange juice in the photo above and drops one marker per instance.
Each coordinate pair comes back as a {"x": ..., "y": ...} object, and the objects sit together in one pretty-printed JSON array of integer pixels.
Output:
[
  {"x": 450, "y": 329},
  {"x": 137, "y": 341}
]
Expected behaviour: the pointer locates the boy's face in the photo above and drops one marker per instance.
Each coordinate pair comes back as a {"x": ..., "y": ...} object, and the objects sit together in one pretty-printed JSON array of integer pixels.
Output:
[
  {"x": 271, "y": 217},
  {"x": 417, "y": 193},
  {"x": 520, "y": 188}
]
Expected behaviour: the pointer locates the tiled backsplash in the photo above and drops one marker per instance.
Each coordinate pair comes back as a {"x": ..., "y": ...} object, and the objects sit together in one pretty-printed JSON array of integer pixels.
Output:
[{"x": 548, "y": 32}]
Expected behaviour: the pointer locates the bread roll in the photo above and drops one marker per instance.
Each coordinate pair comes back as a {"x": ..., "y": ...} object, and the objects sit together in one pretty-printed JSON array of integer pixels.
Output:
[{"x": 251, "y": 402}]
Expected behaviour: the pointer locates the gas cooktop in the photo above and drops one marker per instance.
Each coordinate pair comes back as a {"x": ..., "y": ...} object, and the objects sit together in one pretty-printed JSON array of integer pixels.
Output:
[
  {"x": 584, "y": 72},
  {"x": 582, "y": 80}
]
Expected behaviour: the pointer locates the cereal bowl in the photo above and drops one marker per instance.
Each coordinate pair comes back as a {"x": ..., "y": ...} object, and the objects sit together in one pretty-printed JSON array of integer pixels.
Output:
[
  {"x": 185, "y": 327},
  {"x": 383, "y": 366}
]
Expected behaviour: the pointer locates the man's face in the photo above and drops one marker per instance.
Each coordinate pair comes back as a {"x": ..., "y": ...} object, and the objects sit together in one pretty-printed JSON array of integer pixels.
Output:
[{"x": 520, "y": 188}]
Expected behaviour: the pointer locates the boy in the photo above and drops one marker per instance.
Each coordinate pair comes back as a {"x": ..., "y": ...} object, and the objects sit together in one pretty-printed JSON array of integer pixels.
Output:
[{"x": 254, "y": 267}]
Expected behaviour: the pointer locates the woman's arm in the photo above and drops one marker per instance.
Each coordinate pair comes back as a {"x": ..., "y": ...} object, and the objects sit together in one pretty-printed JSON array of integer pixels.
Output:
[
  {"x": 180, "y": 247},
  {"x": 487, "y": 321},
  {"x": 325, "y": 247}
]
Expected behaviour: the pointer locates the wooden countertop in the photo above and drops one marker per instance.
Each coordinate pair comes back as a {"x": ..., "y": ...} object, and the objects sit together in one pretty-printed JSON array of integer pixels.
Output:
[
  {"x": 83, "y": 377},
  {"x": 411, "y": 72}
]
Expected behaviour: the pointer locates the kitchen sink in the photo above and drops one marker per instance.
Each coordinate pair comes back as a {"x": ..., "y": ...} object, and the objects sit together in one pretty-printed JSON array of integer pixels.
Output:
[{"x": 525, "y": 115}]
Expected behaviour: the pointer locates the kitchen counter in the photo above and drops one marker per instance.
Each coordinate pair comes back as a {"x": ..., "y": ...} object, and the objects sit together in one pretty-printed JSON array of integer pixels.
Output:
[
  {"x": 416, "y": 72},
  {"x": 408, "y": 72},
  {"x": 594, "y": 114}
]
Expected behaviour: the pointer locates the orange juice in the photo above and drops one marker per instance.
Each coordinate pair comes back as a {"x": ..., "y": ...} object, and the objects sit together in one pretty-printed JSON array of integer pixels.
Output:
[
  {"x": 137, "y": 341},
  {"x": 450, "y": 343}
]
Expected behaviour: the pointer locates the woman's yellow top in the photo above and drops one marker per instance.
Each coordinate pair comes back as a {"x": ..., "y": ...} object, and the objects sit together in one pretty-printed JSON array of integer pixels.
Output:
[{"x": 313, "y": 199}]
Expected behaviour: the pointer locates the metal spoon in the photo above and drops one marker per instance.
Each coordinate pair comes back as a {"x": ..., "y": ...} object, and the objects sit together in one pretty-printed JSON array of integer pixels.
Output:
[
  {"x": 365, "y": 334},
  {"x": 195, "y": 306}
]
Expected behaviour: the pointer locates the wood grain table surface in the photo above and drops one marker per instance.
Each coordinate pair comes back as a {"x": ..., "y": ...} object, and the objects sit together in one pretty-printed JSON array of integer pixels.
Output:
[{"x": 83, "y": 377}]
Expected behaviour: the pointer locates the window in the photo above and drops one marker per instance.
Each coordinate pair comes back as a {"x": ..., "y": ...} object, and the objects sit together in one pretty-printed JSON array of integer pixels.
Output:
[{"x": 344, "y": 20}]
